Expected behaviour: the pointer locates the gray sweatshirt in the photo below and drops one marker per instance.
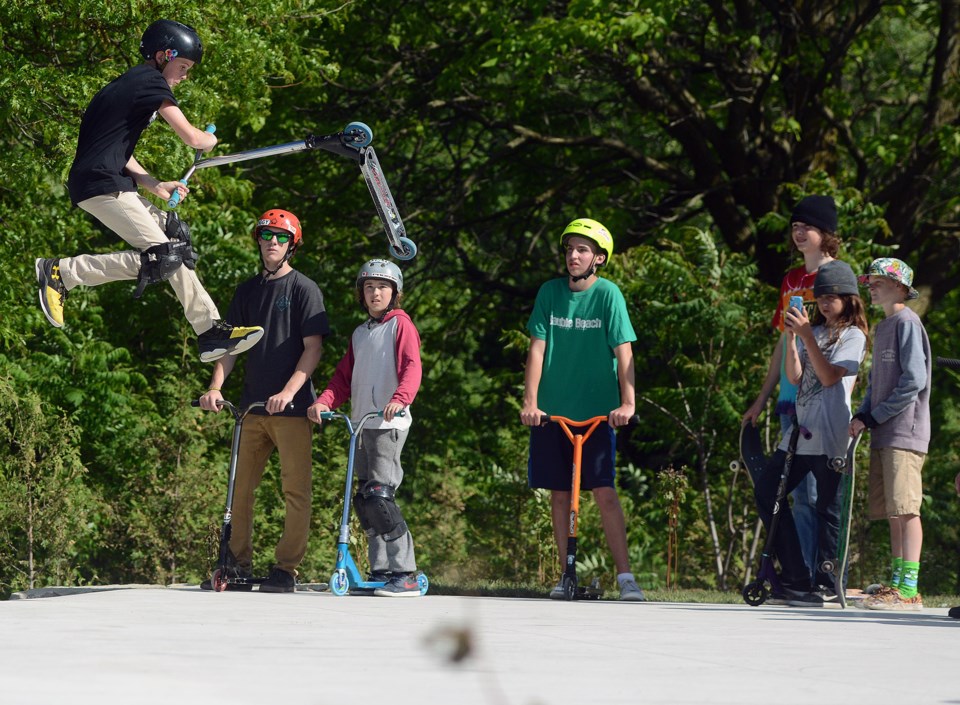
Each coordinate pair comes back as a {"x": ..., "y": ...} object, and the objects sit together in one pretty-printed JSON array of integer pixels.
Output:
[{"x": 898, "y": 394}]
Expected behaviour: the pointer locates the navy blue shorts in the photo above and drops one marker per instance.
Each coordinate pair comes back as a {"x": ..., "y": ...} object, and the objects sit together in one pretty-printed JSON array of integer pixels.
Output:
[{"x": 551, "y": 458}]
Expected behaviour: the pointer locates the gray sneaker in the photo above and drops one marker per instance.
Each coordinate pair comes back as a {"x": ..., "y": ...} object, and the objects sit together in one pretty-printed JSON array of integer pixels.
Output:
[
  {"x": 631, "y": 592},
  {"x": 557, "y": 592}
]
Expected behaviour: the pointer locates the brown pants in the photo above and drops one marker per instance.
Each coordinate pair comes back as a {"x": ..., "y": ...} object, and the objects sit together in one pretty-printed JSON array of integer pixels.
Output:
[{"x": 292, "y": 437}]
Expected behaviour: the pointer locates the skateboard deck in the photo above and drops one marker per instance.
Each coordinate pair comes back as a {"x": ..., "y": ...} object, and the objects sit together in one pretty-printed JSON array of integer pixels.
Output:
[
  {"x": 751, "y": 450},
  {"x": 838, "y": 567}
]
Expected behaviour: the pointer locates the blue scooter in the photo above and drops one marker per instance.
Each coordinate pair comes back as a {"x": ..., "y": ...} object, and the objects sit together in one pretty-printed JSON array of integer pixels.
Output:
[{"x": 346, "y": 576}]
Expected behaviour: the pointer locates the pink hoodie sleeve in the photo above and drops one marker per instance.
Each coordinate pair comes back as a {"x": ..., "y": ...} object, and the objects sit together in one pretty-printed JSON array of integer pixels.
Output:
[
  {"x": 409, "y": 367},
  {"x": 338, "y": 388}
]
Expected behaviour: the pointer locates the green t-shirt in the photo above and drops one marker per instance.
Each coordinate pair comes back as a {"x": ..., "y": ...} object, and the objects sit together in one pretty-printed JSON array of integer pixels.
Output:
[{"x": 581, "y": 329}]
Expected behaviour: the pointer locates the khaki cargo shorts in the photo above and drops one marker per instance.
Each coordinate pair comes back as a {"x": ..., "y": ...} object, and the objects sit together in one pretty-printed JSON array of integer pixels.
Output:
[{"x": 895, "y": 485}]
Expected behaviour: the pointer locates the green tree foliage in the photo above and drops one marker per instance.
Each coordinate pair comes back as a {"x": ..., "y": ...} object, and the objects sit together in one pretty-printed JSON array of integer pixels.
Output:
[{"x": 688, "y": 127}]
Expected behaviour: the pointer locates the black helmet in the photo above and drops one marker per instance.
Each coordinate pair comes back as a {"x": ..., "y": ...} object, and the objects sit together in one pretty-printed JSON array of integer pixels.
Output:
[{"x": 180, "y": 39}]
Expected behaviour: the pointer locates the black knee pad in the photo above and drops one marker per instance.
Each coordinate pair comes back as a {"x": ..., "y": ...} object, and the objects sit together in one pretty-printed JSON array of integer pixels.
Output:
[
  {"x": 378, "y": 511},
  {"x": 160, "y": 262}
]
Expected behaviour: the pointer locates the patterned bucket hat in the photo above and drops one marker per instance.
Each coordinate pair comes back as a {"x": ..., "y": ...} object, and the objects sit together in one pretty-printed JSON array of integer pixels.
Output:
[{"x": 892, "y": 268}]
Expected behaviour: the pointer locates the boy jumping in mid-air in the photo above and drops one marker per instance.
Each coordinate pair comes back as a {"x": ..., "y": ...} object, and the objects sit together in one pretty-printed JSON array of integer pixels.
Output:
[{"x": 103, "y": 181}]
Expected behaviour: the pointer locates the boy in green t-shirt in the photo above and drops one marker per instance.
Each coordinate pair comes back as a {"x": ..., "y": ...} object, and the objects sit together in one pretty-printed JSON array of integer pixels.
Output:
[{"x": 580, "y": 365}]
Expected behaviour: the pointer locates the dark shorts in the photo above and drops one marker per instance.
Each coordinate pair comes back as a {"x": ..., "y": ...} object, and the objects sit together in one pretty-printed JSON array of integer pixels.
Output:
[{"x": 551, "y": 458}]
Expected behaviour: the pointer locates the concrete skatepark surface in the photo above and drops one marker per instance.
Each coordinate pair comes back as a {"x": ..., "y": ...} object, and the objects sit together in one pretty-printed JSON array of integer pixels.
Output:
[{"x": 181, "y": 645}]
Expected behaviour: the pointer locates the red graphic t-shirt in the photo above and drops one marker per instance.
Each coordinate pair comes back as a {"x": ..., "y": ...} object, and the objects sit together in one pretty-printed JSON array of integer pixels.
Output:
[{"x": 797, "y": 282}]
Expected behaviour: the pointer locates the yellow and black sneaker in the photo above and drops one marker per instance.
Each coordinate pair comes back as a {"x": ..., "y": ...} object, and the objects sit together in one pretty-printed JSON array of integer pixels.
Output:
[
  {"x": 223, "y": 339},
  {"x": 52, "y": 291}
]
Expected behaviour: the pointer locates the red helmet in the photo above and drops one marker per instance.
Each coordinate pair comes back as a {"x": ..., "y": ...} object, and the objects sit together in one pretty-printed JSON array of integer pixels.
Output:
[{"x": 285, "y": 220}]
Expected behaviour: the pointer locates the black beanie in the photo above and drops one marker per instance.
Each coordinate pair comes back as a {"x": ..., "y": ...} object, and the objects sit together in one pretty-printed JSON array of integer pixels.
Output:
[
  {"x": 835, "y": 277},
  {"x": 818, "y": 211}
]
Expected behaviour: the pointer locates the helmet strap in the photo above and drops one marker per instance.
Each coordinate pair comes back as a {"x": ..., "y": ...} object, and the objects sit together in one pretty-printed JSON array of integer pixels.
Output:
[
  {"x": 273, "y": 272},
  {"x": 590, "y": 273}
]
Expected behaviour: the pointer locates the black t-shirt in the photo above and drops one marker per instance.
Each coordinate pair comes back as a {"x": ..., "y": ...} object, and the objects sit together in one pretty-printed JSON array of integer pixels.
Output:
[
  {"x": 110, "y": 130},
  {"x": 289, "y": 309}
]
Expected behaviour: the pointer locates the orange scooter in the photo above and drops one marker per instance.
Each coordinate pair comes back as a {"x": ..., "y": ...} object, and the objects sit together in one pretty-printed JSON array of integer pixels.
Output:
[{"x": 568, "y": 582}]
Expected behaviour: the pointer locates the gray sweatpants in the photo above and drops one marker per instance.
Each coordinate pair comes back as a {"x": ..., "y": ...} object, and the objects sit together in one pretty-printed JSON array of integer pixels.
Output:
[{"x": 378, "y": 458}]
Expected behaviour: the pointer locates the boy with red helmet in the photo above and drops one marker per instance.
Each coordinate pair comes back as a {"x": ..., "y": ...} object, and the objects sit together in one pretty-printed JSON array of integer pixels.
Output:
[
  {"x": 104, "y": 179},
  {"x": 289, "y": 307}
]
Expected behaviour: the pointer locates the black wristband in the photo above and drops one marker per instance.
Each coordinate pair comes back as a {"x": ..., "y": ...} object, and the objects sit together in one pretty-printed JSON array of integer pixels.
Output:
[{"x": 866, "y": 418}]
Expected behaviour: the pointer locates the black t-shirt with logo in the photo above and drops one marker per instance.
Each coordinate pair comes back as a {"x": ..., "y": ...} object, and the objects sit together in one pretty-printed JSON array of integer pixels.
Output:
[
  {"x": 289, "y": 309},
  {"x": 111, "y": 128}
]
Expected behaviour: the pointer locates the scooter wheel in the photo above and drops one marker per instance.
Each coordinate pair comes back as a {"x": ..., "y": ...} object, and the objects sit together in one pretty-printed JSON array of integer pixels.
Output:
[
  {"x": 339, "y": 583},
  {"x": 406, "y": 251},
  {"x": 217, "y": 581},
  {"x": 423, "y": 583},
  {"x": 755, "y": 594},
  {"x": 569, "y": 586},
  {"x": 357, "y": 135}
]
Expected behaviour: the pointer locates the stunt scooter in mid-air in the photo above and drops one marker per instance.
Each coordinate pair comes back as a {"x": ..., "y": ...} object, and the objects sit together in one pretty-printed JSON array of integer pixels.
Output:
[{"x": 354, "y": 142}]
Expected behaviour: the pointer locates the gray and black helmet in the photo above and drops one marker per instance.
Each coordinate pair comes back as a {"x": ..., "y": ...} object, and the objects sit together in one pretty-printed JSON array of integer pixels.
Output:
[
  {"x": 176, "y": 39},
  {"x": 380, "y": 269}
]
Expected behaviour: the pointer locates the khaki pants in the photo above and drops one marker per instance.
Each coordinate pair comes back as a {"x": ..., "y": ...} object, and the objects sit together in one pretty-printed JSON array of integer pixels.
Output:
[
  {"x": 292, "y": 436},
  {"x": 140, "y": 224}
]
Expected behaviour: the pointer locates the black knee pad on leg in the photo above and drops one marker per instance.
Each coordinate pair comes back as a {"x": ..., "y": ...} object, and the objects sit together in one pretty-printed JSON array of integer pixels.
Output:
[
  {"x": 160, "y": 262},
  {"x": 378, "y": 511}
]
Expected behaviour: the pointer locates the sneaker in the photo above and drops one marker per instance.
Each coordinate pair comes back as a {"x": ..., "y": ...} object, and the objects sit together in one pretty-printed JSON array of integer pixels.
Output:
[
  {"x": 557, "y": 592},
  {"x": 400, "y": 585},
  {"x": 222, "y": 338},
  {"x": 279, "y": 580},
  {"x": 777, "y": 598},
  {"x": 891, "y": 599},
  {"x": 804, "y": 599},
  {"x": 380, "y": 576},
  {"x": 954, "y": 612},
  {"x": 631, "y": 592},
  {"x": 52, "y": 291}
]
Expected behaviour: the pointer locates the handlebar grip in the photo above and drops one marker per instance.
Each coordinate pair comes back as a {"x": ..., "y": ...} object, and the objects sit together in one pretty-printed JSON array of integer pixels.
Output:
[
  {"x": 175, "y": 198},
  {"x": 948, "y": 362},
  {"x": 211, "y": 128}
]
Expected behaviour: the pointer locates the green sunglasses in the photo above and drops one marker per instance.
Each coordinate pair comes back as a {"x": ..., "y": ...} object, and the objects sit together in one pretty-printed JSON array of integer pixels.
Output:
[{"x": 269, "y": 235}]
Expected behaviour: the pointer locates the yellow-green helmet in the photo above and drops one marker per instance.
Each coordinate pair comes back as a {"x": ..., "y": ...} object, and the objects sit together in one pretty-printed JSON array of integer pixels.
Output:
[{"x": 592, "y": 230}]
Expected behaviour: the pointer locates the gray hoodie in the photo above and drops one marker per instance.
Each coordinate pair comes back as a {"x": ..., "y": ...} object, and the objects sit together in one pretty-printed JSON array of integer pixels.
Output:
[{"x": 898, "y": 394}]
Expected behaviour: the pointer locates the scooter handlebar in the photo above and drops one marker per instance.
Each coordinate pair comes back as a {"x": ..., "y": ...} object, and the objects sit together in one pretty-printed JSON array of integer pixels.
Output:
[
  {"x": 634, "y": 420},
  {"x": 327, "y": 415},
  {"x": 175, "y": 198}
]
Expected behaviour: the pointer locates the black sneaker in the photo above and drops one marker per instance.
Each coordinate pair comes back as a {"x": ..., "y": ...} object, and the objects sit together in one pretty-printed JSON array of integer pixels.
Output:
[
  {"x": 52, "y": 291},
  {"x": 803, "y": 599},
  {"x": 279, "y": 580},
  {"x": 222, "y": 338},
  {"x": 400, "y": 585},
  {"x": 954, "y": 612}
]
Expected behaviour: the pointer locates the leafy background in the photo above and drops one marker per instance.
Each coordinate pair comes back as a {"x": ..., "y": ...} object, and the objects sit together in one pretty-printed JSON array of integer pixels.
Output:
[{"x": 689, "y": 128}]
